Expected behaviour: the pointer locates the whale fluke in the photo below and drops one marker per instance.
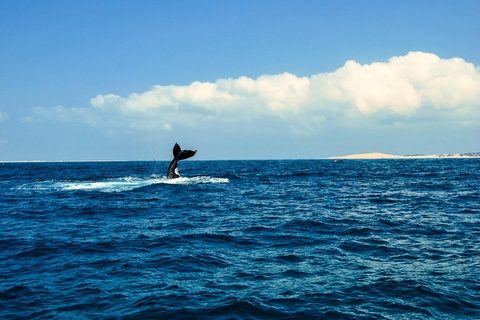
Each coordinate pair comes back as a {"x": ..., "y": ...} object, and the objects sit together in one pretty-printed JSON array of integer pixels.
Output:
[{"x": 178, "y": 154}]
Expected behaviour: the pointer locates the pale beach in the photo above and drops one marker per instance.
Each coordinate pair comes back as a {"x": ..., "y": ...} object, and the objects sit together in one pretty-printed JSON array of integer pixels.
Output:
[{"x": 379, "y": 155}]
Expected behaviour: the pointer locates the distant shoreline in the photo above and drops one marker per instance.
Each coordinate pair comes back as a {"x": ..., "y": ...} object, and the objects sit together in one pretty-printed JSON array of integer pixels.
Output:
[
  {"x": 378, "y": 155},
  {"x": 361, "y": 156},
  {"x": 59, "y": 161}
]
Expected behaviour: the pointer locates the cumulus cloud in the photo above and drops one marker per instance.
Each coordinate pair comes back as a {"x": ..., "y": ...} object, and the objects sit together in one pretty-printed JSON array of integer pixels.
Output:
[
  {"x": 401, "y": 88},
  {"x": 403, "y": 84}
]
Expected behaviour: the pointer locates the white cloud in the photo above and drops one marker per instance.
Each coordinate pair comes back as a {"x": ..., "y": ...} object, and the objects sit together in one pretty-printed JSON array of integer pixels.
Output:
[
  {"x": 403, "y": 84},
  {"x": 401, "y": 88},
  {"x": 64, "y": 115}
]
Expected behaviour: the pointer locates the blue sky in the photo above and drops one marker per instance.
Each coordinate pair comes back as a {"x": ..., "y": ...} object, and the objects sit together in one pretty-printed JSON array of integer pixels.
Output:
[{"x": 125, "y": 80}]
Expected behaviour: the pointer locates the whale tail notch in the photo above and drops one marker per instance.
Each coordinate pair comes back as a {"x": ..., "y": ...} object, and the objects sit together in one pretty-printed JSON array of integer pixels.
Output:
[{"x": 178, "y": 154}]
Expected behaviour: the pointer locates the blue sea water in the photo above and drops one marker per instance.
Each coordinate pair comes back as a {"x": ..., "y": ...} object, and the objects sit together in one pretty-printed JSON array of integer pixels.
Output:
[{"x": 296, "y": 239}]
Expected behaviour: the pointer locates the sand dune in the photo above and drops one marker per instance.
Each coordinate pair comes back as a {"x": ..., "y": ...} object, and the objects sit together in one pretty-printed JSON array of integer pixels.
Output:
[
  {"x": 378, "y": 155},
  {"x": 374, "y": 155}
]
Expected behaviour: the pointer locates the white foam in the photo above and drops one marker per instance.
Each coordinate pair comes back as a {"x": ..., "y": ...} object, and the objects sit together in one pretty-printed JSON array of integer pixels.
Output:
[
  {"x": 196, "y": 180},
  {"x": 119, "y": 184}
]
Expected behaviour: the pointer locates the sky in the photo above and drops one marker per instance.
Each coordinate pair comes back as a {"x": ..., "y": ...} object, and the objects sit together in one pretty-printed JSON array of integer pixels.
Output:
[{"x": 253, "y": 79}]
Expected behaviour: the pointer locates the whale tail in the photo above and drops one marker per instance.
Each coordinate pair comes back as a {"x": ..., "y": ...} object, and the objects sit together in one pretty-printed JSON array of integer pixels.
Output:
[{"x": 178, "y": 154}]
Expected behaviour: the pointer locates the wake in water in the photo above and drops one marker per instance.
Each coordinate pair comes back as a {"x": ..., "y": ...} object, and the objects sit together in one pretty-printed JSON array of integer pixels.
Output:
[{"x": 119, "y": 184}]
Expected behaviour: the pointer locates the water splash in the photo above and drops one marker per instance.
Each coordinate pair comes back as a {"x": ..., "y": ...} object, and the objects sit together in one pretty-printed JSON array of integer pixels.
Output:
[{"x": 118, "y": 184}]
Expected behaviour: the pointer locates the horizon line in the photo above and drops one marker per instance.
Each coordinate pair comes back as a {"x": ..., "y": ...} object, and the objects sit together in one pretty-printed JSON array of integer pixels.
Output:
[{"x": 360, "y": 156}]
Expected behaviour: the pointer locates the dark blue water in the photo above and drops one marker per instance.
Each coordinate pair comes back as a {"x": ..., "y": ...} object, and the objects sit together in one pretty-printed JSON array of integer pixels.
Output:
[{"x": 375, "y": 239}]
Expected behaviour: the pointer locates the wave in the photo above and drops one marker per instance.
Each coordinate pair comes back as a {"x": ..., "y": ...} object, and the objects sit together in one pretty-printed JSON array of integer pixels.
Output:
[{"x": 118, "y": 184}]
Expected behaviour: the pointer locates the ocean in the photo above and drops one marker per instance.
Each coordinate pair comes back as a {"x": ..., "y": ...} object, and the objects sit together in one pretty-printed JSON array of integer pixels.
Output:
[{"x": 283, "y": 239}]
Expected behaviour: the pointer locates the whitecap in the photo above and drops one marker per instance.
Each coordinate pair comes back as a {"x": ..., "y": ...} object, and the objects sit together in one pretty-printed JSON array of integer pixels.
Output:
[
  {"x": 196, "y": 180},
  {"x": 119, "y": 184}
]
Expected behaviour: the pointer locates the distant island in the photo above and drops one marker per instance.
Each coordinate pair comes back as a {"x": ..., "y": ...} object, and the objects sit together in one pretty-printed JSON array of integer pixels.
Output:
[{"x": 378, "y": 155}]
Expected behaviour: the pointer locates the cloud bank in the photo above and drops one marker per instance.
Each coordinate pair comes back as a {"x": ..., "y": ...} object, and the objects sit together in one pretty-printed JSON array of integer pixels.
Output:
[{"x": 403, "y": 87}]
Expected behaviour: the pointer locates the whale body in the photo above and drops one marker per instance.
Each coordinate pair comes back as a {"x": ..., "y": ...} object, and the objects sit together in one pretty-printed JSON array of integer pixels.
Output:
[{"x": 178, "y": 154}]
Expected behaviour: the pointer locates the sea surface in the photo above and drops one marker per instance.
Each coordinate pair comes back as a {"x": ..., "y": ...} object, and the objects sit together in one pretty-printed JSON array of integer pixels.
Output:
[{"x": 294, "y": 239}]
